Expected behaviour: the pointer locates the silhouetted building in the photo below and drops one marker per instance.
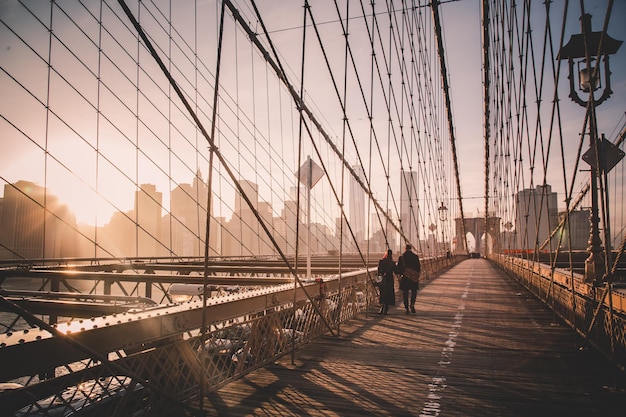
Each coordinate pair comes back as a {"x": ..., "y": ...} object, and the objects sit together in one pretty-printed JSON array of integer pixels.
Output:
[
  {"x": 33, "y": 224},
  {"x": 578, "y": 231},
  {"x": 348, "y": 243},
  {"x": 356, "y": 205},
  {"x": 148, "y": 208},
  {"x": 536, "y": 216},
  {"x": 118, "y": 236},
  {"x": 383, "y": 236},
  {"x": 289, "y": 216},
  {"x": 243, "y": 226},
  {"x": 186, "y": 225},
  {"x": 265, "y": 246},
  {"x": 322, "y": 239},
  {"x": 409, "y": 216}
]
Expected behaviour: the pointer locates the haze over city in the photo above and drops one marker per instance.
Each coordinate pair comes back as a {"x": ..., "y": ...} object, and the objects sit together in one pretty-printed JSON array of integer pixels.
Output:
[{"x": 93, "y": 153}]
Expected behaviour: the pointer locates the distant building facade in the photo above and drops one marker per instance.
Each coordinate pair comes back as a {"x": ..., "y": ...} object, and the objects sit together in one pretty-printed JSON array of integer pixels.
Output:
[
  {"x": 356, "y": 205},
  {"x": 34, "y": 225},
  {"x": 148, "y": 208},
  {"x": 29, "y": 231},
  {"x": 409, "y": 216},
  {"x": 576, "y": 234},
  {"x": 537, "y": 215},
  {"x": 184, "y": 230}
]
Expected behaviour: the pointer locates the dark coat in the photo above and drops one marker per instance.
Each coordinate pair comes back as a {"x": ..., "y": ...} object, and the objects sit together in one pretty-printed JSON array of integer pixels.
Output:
[
  {"x": 387, "y": 267},
  {"x": 408, "y": 260}
]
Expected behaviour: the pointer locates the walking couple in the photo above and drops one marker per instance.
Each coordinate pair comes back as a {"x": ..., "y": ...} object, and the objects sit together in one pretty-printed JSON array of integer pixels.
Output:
[{"x": 408, "y": 267}]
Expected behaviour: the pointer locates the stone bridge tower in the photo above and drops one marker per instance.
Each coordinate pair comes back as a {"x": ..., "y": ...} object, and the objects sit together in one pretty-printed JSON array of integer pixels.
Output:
[{"x": 476, "y": 226}]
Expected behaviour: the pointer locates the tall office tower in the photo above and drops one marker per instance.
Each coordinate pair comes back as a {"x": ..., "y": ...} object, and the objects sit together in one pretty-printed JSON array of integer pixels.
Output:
[
  {"x": 148, "y": 207},
  {"x": 384, "y": 235},
  {"x": 293, "y": 196},
  {"x": 34, "y": 224},
  {"x": 182, "y": 226},
  {"x": 290, "y": 224},
  {"x": 393, "y": 237},
  {"x": 577, "y": 232},
  {"x": 188, "y": 222},
  {"x": 356, "y": 207},
  {"x": 377, "y": 241},
  {"x": 409, "y": 214},
  {"x": 264, "y": 244},
  {"x": 536, "y": 216},
  {"x": 343, "y": 233},
  {"x": 243, "y": 227}
]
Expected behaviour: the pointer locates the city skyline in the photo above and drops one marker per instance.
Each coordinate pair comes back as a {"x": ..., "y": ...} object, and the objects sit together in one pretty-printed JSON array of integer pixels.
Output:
[
  {"x": 92, "y": 116},
  {"x": 148, "y": 230},
  {"x": 465, "y": 79},
  {"x": 154, "y": 228}
]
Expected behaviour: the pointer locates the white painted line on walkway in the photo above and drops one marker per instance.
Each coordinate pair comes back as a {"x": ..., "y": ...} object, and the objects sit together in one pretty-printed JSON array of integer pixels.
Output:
[{"x": 432, "y": 406}]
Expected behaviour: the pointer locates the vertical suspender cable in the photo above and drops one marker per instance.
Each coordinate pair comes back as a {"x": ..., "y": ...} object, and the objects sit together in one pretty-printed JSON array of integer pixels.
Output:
[
  {"x": 343, "y": 145},
  {"x": 205, "y": 270},
  {"x": 98, "y": 117},
  {"x": 486, "y": 99},
  {"x": 446, "y": 91},
  {"x": 300, "y": 123}
]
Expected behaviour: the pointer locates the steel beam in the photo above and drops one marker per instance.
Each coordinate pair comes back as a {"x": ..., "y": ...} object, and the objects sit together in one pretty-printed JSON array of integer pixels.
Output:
[{"x": 138, "y": 329}]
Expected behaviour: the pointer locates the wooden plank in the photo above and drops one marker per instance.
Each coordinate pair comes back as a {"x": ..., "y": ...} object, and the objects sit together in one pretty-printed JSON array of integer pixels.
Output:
[{"x": 478, "y": 345}]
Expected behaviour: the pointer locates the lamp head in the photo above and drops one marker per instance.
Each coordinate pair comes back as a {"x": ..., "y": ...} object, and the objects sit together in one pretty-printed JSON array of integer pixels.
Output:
[
  {"x": 443, "y": 212},
  {"x": 583, "y": 48}
]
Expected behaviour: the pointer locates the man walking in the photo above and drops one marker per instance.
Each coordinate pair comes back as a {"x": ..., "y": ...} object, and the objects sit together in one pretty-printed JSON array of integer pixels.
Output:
[{"x": 409, "y": 270}]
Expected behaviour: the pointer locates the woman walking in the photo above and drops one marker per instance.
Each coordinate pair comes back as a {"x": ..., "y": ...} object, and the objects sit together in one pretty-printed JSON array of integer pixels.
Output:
[{"x": 386, "y": 269}]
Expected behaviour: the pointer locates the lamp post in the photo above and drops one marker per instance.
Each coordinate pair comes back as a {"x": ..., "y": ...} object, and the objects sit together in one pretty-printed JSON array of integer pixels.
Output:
[
  {"x": 443, "y": 216},
  {"x": 309, "y": 174},
  {"x": 588, "y": 50},
  {"x": 432, "y": 228},
  {"x": 582, "y": 49},
  {"x": 443, "y": 212}
]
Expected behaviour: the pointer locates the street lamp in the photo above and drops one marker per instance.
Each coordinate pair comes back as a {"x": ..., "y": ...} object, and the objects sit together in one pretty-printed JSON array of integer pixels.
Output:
[
  {"x": 582, "y": 49},
  {"x": 443, "y": 212},
  {"x": 586, "y": 48},
  {"x": 432, "y": 228},
  {"x": 443, "y": 216}
]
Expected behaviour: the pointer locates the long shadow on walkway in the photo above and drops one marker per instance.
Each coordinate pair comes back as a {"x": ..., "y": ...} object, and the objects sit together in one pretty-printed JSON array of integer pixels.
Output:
[{"x": 479, "y": 345}]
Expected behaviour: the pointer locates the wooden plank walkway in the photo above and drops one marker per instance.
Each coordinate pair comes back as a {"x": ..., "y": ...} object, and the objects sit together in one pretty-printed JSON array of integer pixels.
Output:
[{"x": 479, "y": 345}]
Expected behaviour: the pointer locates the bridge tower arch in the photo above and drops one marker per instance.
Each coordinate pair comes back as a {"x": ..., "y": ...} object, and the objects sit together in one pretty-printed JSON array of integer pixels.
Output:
[{"x": 476, "y": 227}]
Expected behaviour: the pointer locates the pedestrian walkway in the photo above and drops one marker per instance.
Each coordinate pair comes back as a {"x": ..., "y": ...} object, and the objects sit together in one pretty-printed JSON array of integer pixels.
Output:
[{"x": 479, "y": 345}]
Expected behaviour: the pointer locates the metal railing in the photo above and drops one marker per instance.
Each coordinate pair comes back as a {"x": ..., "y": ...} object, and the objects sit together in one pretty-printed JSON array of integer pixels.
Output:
[
  {"x": 598, "y": 314},
  {"x": 159, "y": 358},
  {"x": 160, "y": 352}
]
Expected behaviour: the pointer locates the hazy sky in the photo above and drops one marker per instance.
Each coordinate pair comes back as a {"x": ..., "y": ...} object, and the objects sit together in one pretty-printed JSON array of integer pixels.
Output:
[
  {"x": 461, "y": 22},
  {"x": 462, "y": 32},
  {"x": 463, "y": 41}
]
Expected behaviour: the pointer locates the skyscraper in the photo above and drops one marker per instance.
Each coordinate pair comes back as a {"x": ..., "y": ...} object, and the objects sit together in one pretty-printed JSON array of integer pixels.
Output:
[
  {"x": 148, "y": 207},
  {"x": 188, "y": 212},
  {"x": 356, "y": 205},
  {"x": 536, "y": 216},
  {"x": 243, "y": 227},
  {"x": 576, "y": 234},
  {"x": 33, "y": 224},
  {"x": 409, "y": 215}
]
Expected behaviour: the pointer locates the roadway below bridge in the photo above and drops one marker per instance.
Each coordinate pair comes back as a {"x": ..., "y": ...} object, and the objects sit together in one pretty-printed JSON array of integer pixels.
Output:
[{"x": 478, "y": 345}]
